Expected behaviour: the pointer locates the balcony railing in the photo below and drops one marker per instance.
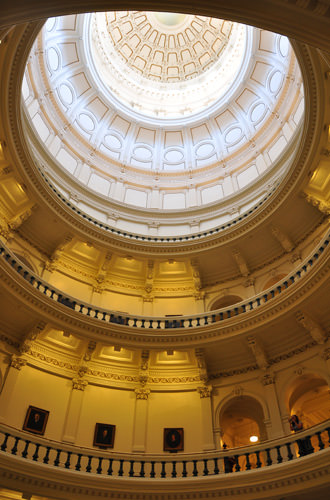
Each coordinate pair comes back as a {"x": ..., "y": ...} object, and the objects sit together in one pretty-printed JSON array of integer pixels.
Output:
[
  {"x": 55, "y": 454},
  {"x": 160, "y": 323}
]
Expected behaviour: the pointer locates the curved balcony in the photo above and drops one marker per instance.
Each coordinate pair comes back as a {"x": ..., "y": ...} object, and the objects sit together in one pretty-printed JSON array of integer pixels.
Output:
[
  {"x": 158, "y": 327},
  {"x": 55, "y": 461}
]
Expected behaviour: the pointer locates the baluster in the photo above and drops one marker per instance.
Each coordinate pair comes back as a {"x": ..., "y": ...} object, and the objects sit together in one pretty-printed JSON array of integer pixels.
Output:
[
  {"x": 290, "y": 455},
  {"x": 4, "y": 444},
  {"x": 216, "y": 467},
  {"x": 46, "y": 457},
  {"x": 96, "y": 313},
  {"x": 173, "y": 468},
  {"x": 190, "y": 323},
  {"x": 228, "y": 313},
  {"x": 109, "y": 471},
  {"x": 195, "y": 471},
  {"x": 237, "y": 466},
  {"x": 248, "y": 463},
  {"x": 279, "y": 456},
  {"x": 67, "y": 463},
  {"x": 244, "y": 308},
  {"x": 142, "y": 323},
  {"x": 25, "y": 451},
  {"x": 258, "y": 301},
  {"x": 35, "y": 455},
  {"x": 328, "y": 431},
  {"x": 142, "y": 473},
  {"x": 131, "y": 471},
  {"x": 88, "y": 311},
  {"x": 198, "y": 322},
  {"x": 206, "y": 322},
  {"x": 57, "y": 458},
  {"x": 99, "y": 467},
  {"x": 321, "y": 444},
  {"x": 158, "y": 323},
  {"x": 259, "y": 464},
  {"x": 121, "y": 467},
  {"x": 205, "y": 470},
  {"x": 152, "y": 472},
  {"x": 78, "y": 464},
  {"x": 251, "y": 305},
  {"x": 163, "y": 472},
  {"x": 81, "y": 307},
  {"x": 221, "y": 316},
  {"x": 89, "y": 464},
  {"x": 184, "y": 468},
  {"x": 14, "y": 448},
  {"x": 134, "y": 322},
  {"x": 269, "y": 460}
]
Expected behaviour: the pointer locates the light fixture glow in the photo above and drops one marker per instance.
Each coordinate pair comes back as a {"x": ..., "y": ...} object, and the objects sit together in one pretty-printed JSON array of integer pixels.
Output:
[{"x": 254, "y": 439}]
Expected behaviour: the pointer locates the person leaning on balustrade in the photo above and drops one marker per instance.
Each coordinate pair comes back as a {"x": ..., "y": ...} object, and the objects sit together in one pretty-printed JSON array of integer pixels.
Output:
[{"x": 304, "y": 445}]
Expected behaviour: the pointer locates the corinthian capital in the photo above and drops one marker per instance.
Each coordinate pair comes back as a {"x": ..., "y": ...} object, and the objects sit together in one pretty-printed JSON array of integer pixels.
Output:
[
  {"x": 17, "y": 362},
  {"x": 142, "y": 393},
  {"x": 79, "y": 384},
  {"x": 204, "y": 391}
]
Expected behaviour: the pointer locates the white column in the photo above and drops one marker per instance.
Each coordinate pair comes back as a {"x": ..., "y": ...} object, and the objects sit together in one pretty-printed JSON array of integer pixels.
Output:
[
  {"x": 206, "y": 413},
  {"x": 140, "y": 419},
  {"x": 217, "y": 433},
  {"x": 275, "y": 424},
  {"x": 8, "y": 389},
  {"x": 73, "y": 412}
]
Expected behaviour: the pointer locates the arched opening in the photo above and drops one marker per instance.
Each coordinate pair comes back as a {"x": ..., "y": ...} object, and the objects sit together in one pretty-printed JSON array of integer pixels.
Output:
[
  {"x": 309, "y": 398},
  {"x": 226, "y": 301},
  {"x": 26, "y": 262},
  {"x": 242, "y": 418},
  {"x": 277, "y": 285}
]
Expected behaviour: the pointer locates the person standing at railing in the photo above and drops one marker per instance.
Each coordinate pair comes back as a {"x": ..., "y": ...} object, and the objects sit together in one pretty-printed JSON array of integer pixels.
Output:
[
  {"x": 228, "y": 462},
  {"x": 304, "y": 445}
]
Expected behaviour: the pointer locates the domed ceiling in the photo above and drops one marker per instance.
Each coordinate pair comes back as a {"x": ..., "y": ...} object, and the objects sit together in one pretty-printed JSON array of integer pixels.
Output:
[{"x": 161, "y": 124}]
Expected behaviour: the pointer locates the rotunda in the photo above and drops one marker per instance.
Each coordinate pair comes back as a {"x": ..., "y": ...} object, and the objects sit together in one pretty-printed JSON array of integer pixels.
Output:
[{"x": 164, "y": 256}]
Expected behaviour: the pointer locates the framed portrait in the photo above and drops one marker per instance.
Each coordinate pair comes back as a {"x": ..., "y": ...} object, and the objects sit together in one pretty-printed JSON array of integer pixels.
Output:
[
  {"x": 173, "y": 439},
  {"x": 104, "y": 435},
  {"x": 35, "y": 420}
]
